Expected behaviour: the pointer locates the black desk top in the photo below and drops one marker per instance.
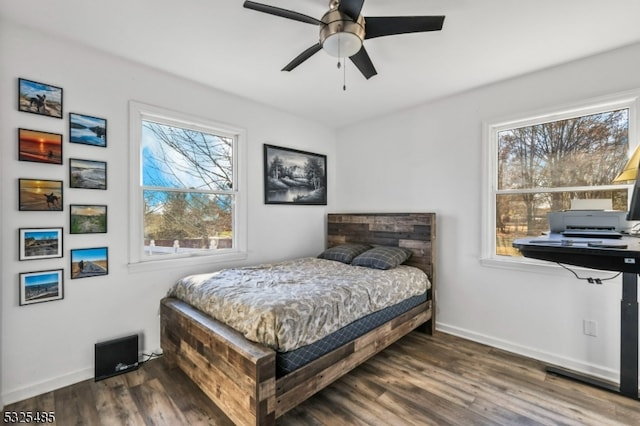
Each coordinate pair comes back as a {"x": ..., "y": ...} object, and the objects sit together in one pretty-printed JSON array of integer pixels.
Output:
[{"x": 621, "y": 254}]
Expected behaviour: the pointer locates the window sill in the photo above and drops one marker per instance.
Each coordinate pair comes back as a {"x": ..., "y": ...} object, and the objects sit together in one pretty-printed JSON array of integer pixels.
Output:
[{"x": 184, "y": 262}]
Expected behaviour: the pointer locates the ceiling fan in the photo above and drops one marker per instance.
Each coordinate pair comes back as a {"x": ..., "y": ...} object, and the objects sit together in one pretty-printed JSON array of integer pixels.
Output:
[{"x": 343, "y": 30}]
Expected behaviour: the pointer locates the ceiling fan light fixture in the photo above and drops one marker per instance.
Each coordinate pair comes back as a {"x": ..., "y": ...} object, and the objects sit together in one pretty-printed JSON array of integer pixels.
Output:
[
  {"x": 342, "y": 45},
  {"x": 340, "y": 36}
]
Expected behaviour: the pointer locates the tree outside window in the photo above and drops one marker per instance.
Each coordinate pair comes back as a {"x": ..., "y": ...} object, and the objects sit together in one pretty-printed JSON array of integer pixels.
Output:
[
  {"x": 541, "y": 167},
  {"x": 188, "y": 189}
]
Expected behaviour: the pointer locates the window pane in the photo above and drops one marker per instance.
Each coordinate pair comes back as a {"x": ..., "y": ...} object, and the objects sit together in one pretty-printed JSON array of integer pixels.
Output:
[
  {"x": 180, "y": 222},
  {"x": 522, "y": 215},
  {"x": 174, "y": 157},
  {"x": 584, "y": 151}
]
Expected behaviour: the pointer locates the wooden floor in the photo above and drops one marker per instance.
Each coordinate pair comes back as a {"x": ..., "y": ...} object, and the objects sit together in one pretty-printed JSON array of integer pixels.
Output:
[{"x": 421, "y": 380}]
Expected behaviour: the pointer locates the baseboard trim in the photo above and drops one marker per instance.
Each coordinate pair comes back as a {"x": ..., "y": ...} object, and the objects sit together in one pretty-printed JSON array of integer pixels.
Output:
[
  {"x": 50, "y": 385},
  {"x": 546, "y": 357},
  {"x": 47, "y": 386}
]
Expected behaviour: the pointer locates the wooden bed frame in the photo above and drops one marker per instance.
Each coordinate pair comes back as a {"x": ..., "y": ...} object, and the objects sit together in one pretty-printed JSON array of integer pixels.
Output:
[{"x": 239, "y": 376}]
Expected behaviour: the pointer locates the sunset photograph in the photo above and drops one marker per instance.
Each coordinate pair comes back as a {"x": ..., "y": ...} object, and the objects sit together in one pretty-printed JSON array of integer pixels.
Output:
[
  {"x": 88, "y": 219},
  {"x": 39, "y": 195},
  {"x": 39, "y": 147}
]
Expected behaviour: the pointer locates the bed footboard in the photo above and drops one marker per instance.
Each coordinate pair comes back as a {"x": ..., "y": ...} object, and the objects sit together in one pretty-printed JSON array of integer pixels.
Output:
[{"x": 239, "y": 376}]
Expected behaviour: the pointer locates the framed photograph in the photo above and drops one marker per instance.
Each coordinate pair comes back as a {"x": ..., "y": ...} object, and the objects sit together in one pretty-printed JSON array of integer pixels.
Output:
[
  {"x": 88, "y": 219},
  {"x": 39, "y": 147},
  {"x": 39, "y": 98},
  {"x": 39, "y": 195},
  {"x": 89, "y": 262},
  {"x": 87, "y": 174},
  {"x": 41, "y": 286},
  {"x": 39, "y": 243},
  {"x": 294, "y": 177},
  {"x": 87, "y": 130}
]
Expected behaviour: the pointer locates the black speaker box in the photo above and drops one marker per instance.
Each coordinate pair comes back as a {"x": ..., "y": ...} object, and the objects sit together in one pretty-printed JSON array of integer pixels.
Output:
[{"x": 116, "y": 356}]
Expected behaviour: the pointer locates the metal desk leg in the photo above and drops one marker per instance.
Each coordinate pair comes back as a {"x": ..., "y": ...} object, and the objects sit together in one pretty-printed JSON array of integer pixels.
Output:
[
  {"x": 629, "y": 336},
  {"x": 628, "y": 345}
]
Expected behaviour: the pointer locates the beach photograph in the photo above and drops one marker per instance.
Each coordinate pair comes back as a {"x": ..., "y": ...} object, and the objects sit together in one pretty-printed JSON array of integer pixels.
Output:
[
  {"x": 39, "y": 98},
  {"x": 40, "y": 243},
  {"x": 87, "y": 174},
  {"x": 87, "y": 130},
  {"x": 40, "y": 195},
  {"x": 39, "y": 147},
  {"x": 42, "y": 286},
  {"x": 89, "y": 262},
  {"x": 88, "y": 219}
]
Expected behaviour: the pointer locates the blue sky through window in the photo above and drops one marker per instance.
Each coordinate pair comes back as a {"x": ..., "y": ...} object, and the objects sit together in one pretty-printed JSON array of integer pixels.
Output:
[{"x": 182, "y": 158}]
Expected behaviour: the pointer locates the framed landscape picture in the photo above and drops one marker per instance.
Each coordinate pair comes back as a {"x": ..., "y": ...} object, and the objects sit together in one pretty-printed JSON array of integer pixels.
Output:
[
  {"x": 292, "y": 176},
  {"x": 87, "y": 130},
  {"x": 89, "y": 262},
  {"x": 39, "y": 147},
  {"x": 39, "y": 195},
  {"x": 88, "y": 219},
  {"x": 39, "y": 243},
  {"x": 87, "y": 174},
  {"x": 39, "y": 98},
  {"x": 41, "y": 286}
]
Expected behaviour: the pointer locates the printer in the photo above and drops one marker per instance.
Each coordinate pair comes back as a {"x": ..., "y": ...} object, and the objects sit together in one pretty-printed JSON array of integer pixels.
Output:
[{"x": 588, "y": 223}]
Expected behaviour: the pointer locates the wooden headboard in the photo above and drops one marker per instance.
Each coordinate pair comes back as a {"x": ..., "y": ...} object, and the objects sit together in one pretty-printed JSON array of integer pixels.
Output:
[{"x": 414, "y": 231}]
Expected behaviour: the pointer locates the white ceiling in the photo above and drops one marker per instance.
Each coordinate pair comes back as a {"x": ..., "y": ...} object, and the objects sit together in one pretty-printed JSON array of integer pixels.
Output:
[{"x": 221, "y": 44}]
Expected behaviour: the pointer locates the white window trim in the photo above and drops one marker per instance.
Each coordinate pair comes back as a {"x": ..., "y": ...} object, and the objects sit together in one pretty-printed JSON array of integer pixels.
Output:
[
  {"x": 137, "y": 261},
  {"x": 490, "y": 130}
]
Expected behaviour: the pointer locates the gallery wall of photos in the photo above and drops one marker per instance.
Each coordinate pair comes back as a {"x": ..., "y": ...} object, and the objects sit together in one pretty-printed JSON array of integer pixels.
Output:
[{"x": 39, "y": 196}]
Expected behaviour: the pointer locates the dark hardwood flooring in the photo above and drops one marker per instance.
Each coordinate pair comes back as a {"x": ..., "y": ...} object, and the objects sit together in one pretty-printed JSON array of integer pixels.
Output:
[{"x": 420, "y": 380}]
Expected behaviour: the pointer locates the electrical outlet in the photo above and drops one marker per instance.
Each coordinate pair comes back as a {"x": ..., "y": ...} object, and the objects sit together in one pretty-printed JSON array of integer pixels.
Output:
[{"x": 590, "y": 327}]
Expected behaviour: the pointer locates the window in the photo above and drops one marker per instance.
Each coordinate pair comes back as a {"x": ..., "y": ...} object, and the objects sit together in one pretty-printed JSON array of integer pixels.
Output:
[
  {"x": 540, "y": 164},
  {"x": 187, "y": 194}
]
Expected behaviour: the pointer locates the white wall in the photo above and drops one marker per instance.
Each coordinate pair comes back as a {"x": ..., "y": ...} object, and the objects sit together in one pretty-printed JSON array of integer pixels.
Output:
[
  {"x": 429, "y": 158},
  {"x": 48, "y": 345}
]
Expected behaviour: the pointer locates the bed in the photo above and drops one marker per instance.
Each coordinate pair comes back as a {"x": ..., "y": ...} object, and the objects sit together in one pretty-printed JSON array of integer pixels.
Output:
[{"x": 248, "y": 381}]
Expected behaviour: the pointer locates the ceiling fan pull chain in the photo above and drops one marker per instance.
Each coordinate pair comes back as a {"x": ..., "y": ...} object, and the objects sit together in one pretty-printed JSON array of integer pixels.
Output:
[
  {"x": 344, "y": 66},
  {"x": 344, "y": 76}
]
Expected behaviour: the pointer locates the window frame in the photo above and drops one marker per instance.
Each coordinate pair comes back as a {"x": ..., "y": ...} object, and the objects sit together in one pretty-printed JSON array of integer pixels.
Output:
[
  {"x": 490, "y": 130},
  {"x": 138, "y": 260}
]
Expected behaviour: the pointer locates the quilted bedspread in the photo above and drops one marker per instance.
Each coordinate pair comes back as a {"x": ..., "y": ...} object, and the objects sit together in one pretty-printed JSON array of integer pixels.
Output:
[{"x": 290, "y": 304}]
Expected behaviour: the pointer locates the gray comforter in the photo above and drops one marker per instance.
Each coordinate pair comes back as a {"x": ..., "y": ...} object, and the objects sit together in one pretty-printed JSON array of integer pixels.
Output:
[{"x": 290, "y": 304}]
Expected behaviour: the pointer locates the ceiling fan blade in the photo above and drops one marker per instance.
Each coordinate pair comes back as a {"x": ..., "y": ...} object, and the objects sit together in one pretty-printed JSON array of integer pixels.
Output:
[
  {"x": 302, "y": 57},
  {"x": 351, "y": 8},
  {"x": 284, "y": 13},
  {"x": 364, "y": 64},
  {"x": 390, "y": 25}
]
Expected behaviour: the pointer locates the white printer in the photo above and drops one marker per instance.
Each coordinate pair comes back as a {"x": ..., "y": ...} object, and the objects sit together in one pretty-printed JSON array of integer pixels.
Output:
[{"x": 588, "y": 223}]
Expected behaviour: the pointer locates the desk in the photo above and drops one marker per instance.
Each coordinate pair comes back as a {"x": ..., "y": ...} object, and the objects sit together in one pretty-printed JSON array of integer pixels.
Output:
[{"x": 578, "y": 252}]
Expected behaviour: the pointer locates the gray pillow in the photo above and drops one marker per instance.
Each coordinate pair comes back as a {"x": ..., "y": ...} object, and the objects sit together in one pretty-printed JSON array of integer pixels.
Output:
[
  {"x": 344, "y": 253},
  {"x": 382, "y": 257}
]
